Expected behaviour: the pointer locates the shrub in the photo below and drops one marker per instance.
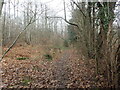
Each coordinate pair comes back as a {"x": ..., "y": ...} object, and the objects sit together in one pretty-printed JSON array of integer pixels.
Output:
[
  {"x": 48, "y": 57},
  {"x": 66, "y": 43}
]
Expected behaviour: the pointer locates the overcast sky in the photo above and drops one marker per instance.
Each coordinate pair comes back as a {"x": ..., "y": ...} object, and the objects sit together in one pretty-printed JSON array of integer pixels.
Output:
[
  {"x": 54, "y": 5},
  {"x": 57, "y": 6}
]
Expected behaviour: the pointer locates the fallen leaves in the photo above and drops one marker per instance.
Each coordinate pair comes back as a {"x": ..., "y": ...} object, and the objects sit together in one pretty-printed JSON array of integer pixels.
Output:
[{"x": 67, "y": 70}]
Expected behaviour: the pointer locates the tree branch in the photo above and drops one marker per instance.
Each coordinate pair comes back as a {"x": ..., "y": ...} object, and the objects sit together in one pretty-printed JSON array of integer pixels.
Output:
[
  {"x": 79, "y": 8},
  {"x": 65, "y": 21}
]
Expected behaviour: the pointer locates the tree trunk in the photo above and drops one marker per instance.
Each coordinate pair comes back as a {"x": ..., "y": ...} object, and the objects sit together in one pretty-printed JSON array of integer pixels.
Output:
[{"x": 1, "y": 6}]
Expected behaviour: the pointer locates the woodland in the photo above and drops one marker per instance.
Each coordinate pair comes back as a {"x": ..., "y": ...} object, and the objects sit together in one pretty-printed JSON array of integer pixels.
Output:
[{"x": 40, "y": 49}]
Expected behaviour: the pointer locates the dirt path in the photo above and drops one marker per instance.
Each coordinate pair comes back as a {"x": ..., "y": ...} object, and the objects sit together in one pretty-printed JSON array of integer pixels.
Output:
[
  {"x": 70, "y": 71},
  {"x": 61, "y": 70}
]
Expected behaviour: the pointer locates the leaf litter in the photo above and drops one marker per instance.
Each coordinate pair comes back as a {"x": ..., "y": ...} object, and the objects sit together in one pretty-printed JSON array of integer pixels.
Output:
[{"x": 67, "y": 70}]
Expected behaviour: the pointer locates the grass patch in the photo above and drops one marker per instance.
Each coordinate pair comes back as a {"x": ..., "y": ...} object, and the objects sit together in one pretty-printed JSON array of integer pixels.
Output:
[
  {"x": 26, "y": 81},
  {"x": 11, "y": 86},
  {"x": 48, "y": 57},
  {"x": 64, "y": 48},
  {"x": 22, "y": 58}
]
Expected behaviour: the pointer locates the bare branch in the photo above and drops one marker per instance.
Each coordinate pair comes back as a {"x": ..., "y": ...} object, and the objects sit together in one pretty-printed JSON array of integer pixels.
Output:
[
  {"x": 65, "y": 21},
  {"x": 79, "y": 8},
  {"x": 64, "y": 9}
]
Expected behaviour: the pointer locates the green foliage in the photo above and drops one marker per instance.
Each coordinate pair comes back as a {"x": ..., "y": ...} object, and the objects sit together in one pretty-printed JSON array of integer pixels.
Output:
[
  {"x": 22, "y": 58},
  {"x": 71, "y": 34},
  {"x": 66, "y": 43},
  {"x": 60, "y": 47},
  {"x": 26, "y": 81},
  {"x": 105, "y": 15},
  {"x": 48, "y": 57}
]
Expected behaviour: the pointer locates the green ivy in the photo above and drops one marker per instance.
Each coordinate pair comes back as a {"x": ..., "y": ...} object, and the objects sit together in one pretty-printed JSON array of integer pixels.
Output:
[
  {"x": 105, "y": 16},
  {"x": 22, "y": 58}
]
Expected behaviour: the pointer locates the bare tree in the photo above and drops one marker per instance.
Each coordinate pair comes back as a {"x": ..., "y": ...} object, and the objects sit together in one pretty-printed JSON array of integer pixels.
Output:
[
  {"x": 30, "y": 22},
  {"x": 1, "y": 6}
]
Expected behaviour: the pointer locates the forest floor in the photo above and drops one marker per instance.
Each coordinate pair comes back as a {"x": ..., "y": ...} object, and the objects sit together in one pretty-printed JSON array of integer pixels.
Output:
[{"x": 67, "y": 69}]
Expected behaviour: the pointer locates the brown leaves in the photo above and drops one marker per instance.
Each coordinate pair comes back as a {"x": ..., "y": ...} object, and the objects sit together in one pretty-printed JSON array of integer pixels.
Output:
[{"x": 68, "y": 71}]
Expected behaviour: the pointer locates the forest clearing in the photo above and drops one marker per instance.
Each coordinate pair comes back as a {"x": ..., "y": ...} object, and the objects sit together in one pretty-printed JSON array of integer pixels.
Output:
[{"x": 59, "y": 44}]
